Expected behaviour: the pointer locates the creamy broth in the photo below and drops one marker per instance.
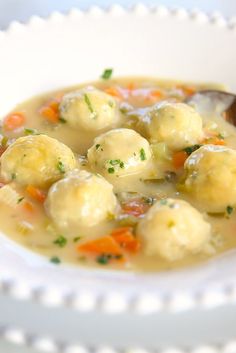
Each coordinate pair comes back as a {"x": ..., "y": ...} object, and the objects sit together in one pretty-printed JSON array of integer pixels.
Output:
[{"x": 29, "y": 224}]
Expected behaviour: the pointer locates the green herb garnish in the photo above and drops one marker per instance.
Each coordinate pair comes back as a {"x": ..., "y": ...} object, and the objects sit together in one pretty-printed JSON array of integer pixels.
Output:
[
  {"x": 76, "y": 239},
  {"x": 229, "y": 210},
  {"x": 61, "y": 167},
  {"x": 89, "y": 104},
  {"x": 97, "y": 146},
  {"x": 117, "y": 162},
  {"x": 61, "y": 241},
  {"x": 20, "y": 199},
  {"x": 31, "y": 131},
  {"x": 55, "y": 260},
  {"x": 13, "y": 176},
  {"x": 62, "y": 120},
  {"x": 142, "y": 155},
  {"x": 104, "y": 259},
  {"x": 107, "y": 73},
  {"x": 191, "y": 149},
  {"x": 4, "y": 141},
  {"x": 111, "y": 170}
]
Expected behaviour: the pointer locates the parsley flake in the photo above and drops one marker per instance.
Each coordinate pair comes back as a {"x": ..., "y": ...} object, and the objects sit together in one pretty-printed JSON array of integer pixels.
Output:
[
  {"x": 61, "y": 167},
  {"x": 13, "y": 176},
  {"x": 229, "y": 210},
  {"x": 62, "y": 120},
  {"x": 20, "y": 199},
  {"x": 189, "y": 150},
  {"x": 61, "y": 241},
  {"x": 55, "y": 260},
  {"x": 76, "y": 239},
  {"x": 111, "y": 170},
  {"x": 97, "y": 146},
  {"x": 142, "y": 154},
  {"x": 107, "y": 73},
  {"x": 29, "y": 131}
]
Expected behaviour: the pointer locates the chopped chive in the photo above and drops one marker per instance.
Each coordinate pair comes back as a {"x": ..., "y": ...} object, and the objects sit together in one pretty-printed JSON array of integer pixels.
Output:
[
  {"x": 111, "y": 170},
  {"x": 61, "y": 241},
  {"x": 29, "y": 131},
  {"x": 55, "y": 260},
  {"x": 13, "y": 176},
  {"x": 142, "y": 155},
  {"x": 89, "y": 104},
  {"x": 76, "y": 239},
  {"x": 20, "y": 199},
  {"x": 97, "y": 146},
  {"x": 107, "y": 73},
  {"x": 61, "y": 167},
  {"x": 4, "y": 141}
]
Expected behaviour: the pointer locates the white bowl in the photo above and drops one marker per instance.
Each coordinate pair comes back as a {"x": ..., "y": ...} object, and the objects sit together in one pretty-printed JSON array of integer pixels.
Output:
[{"x": 66, "y": 50}]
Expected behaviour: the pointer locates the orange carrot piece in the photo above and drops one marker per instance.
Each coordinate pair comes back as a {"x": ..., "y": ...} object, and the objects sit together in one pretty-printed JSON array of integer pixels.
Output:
[
  {"x": 135, "y": 207},
  {"x": 104, "y": 245},
  {"x": 28, "y": 206},
  {"x": 179, "y": 158},
  {"x": 125, "y": 238},
  {"x": 13, "y": 121},
  {"x": 187, "y": 90},
  {"x": 36, "y": 193},
  {"x": 113, "y": 91},
  {"x": 156, "y": 94},
  {"x": 50, "y": 114},
  {"x": 130, "y": 86},
  {"x": 214, "y": 141}
]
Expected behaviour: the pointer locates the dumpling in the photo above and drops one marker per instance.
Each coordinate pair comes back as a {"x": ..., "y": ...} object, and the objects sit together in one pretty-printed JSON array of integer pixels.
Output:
[
  {"x": 81, "y": 199},
  {"x": 176, "y": 124},
  {"x": 210, "y": 177},
  {"x": 173, "y": 229},
  {"x": 37, "y": 159},
  {"x": 89, "y": 109},
  {"x": 119, "y": 152}
]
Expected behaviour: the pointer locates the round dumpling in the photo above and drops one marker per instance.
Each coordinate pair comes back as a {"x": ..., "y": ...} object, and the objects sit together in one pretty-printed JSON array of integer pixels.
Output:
[
  {"x": 210, "y": 177},
  {"x": 81, "y": 199},
  {"x": 119, "y": 152},
  {"x": 176, "y": 124},
  {"x": 173, "y": 229},
  {"x": 37, "y": 159},
  {"x": 89, "y": 109}
]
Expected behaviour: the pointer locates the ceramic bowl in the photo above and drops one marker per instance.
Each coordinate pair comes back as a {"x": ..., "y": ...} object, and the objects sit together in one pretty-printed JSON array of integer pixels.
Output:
[{"x": 64, "y": 50}]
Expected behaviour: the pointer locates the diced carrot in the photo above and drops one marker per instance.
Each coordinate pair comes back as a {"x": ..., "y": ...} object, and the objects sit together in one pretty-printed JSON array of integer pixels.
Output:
[
  {"x": 179, "y": 158},
  {"x": 13, "y": 121},
  {"x": 214, "y": 141},
  {"x": 49, "y": 113},
  {"x": 125, "y": 238},
  {"x": 104, "y": 245},
  {"x": 113, "y": 91},
  {"x": 36, "y": 193},
  {"x": 135, "y": 207},
  {"x": 130, "y": 86},
  {"x": 187, "y": 90},
  {"x": 28, "y": 206},
  {"x": 157, "y": 94}
]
